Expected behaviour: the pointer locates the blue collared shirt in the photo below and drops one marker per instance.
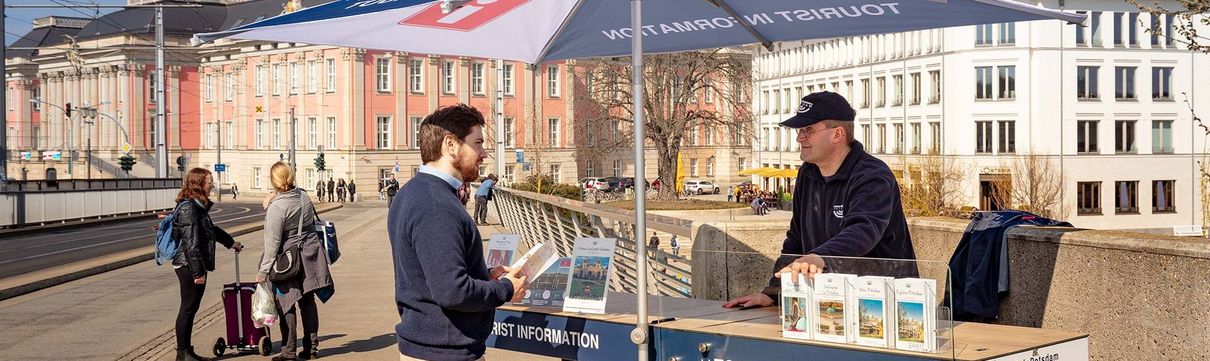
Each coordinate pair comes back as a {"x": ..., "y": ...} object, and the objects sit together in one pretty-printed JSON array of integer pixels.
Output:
[
  {"x": 454, "y": 182},
  {"x": 484, "y": 188}
]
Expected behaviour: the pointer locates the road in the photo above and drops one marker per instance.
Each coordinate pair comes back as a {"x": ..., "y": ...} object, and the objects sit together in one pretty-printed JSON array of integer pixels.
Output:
[{"x": 32, "y": 252}]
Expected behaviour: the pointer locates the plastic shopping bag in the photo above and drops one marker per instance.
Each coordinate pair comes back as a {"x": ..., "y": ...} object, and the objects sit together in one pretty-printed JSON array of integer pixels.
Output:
[{"x": 264, "y": 311}]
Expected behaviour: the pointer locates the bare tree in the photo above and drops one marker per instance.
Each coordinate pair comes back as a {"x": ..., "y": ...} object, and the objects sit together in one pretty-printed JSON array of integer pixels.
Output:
[
  {"x": 1185, "y": 20},
  {"x": 932, "y": 186},
  {"x": 672, "y": 103},
  {"x": 1036, "y": 185}
]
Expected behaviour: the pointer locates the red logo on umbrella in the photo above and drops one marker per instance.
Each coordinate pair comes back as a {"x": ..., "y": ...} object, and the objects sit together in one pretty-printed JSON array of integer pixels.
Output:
[{"x": 466, "y": 18}]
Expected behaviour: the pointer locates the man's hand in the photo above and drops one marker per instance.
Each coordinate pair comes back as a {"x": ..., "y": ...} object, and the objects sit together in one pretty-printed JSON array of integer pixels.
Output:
[
  {"x": 519, "y": 286},
  {"x": 807, "y": 265},
  {"x": 238, "y": 247},
  {"x": 200, "y": 280},
  {"x": 498, "y": 271},
  {"x": 752, "y": 300}
]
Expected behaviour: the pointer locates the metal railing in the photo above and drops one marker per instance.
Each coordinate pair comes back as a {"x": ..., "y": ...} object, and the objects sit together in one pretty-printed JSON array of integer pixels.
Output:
[
  {"x": 30, "y": 203},
  {"x": 545, "y": 218}
]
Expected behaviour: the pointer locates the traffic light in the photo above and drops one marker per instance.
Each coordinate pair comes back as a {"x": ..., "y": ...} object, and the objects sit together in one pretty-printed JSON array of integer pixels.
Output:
[
  {"x": 319, "y": 162},
  {"x": 67, "y": 110},
  {"x": 180, "y": 163},
  {"x": 127, "y": 163}
]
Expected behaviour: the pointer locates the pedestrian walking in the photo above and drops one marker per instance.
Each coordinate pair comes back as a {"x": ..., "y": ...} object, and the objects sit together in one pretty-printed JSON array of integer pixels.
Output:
[
  {"x": 331, "y": 189},
  {"x": 676, "y": 246},
  {"x": 391, "y": 188},
  {"x": 289, "y": 223},
  {"x": 195, "y": 234},
  {"x": 319, "y": 190}
]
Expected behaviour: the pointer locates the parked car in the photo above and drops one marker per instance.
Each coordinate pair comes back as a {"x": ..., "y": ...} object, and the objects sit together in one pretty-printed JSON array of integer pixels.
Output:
[
  {"x": 700, "y": 187},
  {"x": 594, "y": 183},
  {"x": 617, "y": 183}
]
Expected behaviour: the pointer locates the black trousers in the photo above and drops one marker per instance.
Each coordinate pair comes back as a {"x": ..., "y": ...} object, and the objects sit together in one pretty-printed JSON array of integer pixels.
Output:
[
  {"x": 288, "y": 324},
  {"x": 191, "y": 298}
]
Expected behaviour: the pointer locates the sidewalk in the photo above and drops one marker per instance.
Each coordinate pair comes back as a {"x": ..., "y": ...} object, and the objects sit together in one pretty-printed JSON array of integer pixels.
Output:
[{"x": 358, "y": 323}]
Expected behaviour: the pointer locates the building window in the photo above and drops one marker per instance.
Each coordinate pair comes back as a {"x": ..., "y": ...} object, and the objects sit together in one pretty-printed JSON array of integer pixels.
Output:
[
  {"x": 277, "y": 79},
  {"x": 1162, "y": 192},
  {"x": 1086, "y": 136},
  {"x": 935, "y": 77},
  {"x": 229, "y": 86},
  {"x": 880, "y": 101},
  {"x": 416, "y": 75},
  {"x": 1080, "y": 31},
  {"x": 447, "y": 75},
  {"x": 554, "y": 132},
  {"x": 331, "y": 75},
  {"x": 508, "y": 133},
  {"x": 898, "y": 100},
  {"x": 276, "y": 134},
  {"x": 983, "y": 82},
  {"x": 590, "y": 169},
  {"x": 260, "y": 134},
  {"x": 312, "y": 132},
  {"x": 1169, "y": 33},
  {"x": 740, "y": 164},
  {"x": 260, "y": 80},
  {"x": 917, "y": 138},
  {"x": 256, "y": 178},
  {"x": 1095, "y": 28},
  {"x": 416, "y": 132},
  {"x": 882, "y": 138},
  {"x": 1086, "y": 82},
  {"x": 1008, "y": 137},
  {"x": 310, "y": 178},
  {"x": 617, "y": 167},
  {"x": 865, "y": 93},
  {"x": 1126, "y": 200},
  {"x": 312, "y": 76},
  {"x": 382, "y": 74},
  {"x": 1008, "y": 82},
  {"x": 552, "y": 79},
  {"x": 1133, "y": 27},
  {"x": 209, "y": 88},
  {"x": 331, "y": 132},
  {"x": 384, "y": 132},
  {"x": 1161, "y": 137},
  {"x": 477, "y": 78},
  {"x": 710, "y": 167},
  {"x": 556, "y": 172},
  {"x": 935, "y": 130},
  {"x": 900, "y": 139},
  {"x": 693, "y": 167},
  {"x": 915, "y": 89},
  {"x": 1088, "y": 198},
  {"x": 1124, "y": 83},
  {"x": 1008, "y": 33},
  {"x": 983, "y": 35},
  {"x": 230, "y": 140},
  {"x": 983, "y": 137},
  {"x": 693, "y": 134},
  {"x": 1161, "y": 83},
  {"x": 865, "y": 135},
  {"x": 294, "y": 81},
  {"x": 1117, "y": 29},
  {"x": 211, "y": 128},
  {"x": 508, "y": 79},
  {"x": 1123, "y": 132}
]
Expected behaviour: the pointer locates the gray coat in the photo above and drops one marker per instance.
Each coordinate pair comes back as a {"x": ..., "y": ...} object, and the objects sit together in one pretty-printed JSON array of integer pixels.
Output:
[{"x": 281, "y": 222}]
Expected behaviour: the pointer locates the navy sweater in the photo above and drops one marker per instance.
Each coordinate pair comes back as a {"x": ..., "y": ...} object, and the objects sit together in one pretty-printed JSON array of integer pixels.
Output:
[
  {"x": 854, "y": 213},
  {"x": 445, "y": 299}
]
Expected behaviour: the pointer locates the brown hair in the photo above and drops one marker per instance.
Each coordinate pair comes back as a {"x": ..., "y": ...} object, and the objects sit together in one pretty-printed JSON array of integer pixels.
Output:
[
  {"x": 281, "y": 176},
  {"x": 455, "y": 120},
  {"x": 194, "y": 186}
]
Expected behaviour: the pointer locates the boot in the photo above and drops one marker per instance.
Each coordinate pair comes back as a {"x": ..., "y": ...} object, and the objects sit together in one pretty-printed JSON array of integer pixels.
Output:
[
  {"x": 187, "y": 354},
  {"x": 310, "y": 349}
]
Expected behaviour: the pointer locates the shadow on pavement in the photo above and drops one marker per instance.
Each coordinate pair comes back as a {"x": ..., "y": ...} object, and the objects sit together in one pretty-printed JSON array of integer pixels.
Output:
[{"x": 372, "y": 344}]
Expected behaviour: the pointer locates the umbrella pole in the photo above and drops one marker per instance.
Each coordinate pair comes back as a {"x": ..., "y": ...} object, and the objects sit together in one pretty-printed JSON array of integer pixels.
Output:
[{"x": 639, "y": 335}]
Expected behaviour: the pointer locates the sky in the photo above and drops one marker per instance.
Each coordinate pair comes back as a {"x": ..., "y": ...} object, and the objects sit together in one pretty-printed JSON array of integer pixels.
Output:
[{"x": 18, "y": 22}]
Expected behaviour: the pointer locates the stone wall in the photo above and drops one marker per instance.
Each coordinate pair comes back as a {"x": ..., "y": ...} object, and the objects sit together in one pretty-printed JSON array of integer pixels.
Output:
[{"x": 1138, "y": 296}]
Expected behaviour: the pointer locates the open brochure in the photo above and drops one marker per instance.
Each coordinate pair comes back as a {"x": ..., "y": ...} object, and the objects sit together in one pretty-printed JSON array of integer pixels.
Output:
[
  {"x": 550, "y": 288},
  {"x": 538, "y": 259},
  {"x": 588, "y": 284}
]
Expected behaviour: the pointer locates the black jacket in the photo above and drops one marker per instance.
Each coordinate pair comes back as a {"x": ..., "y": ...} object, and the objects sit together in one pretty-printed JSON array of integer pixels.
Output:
[
  {"x": 854, "y": 213},
  {"x": 196, "y": 233}
]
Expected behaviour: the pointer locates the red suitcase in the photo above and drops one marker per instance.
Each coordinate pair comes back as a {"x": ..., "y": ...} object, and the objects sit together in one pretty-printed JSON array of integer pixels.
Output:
[{"x": 242, "y": 336}]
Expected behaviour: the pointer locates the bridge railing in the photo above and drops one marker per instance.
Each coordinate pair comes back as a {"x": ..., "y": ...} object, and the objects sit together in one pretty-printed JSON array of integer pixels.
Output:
[{"x": 31, "y": 203}]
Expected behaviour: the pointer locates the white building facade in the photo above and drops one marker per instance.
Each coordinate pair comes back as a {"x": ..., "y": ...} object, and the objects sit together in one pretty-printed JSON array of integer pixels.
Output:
[{"x": 1105, "y": 103}]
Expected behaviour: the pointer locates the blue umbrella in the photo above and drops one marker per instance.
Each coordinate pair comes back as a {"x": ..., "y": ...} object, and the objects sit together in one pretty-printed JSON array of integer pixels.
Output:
[{"x": 538, "y": 31}]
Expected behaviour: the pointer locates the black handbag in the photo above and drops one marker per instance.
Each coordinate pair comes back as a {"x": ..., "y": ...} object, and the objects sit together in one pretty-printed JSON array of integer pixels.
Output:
[{"x": 287, "y": 265}]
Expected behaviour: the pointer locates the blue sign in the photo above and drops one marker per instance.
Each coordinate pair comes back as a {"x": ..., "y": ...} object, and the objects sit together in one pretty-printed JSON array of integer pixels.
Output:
[
  {"x": 520, "y": 156},
  {"x": 220, "y": 167},
  {"x": 569, "y": 338}
]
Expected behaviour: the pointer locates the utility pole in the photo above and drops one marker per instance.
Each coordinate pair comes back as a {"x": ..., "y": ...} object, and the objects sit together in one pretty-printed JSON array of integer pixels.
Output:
[
  {"x": 293, "y": 165},
  {"x": 3, "y": 105},
  {"x": 499, "y": 118},
  {"x": 161, "y": 126},
  {"x": 218, "y": 130}
]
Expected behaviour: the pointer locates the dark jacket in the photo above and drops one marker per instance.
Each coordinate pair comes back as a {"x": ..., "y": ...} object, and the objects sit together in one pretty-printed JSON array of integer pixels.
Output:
[
  {"x": 443, "y": 292},
  {"x": 392, "y": 187},
  {"x": 331, "y": 186},
  {"x": 192, "y": 227},
  {"x": 854, "y": 213}
]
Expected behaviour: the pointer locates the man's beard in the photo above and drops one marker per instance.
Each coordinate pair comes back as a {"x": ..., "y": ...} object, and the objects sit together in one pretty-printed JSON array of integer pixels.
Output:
[{"x": 468, "y": 168}]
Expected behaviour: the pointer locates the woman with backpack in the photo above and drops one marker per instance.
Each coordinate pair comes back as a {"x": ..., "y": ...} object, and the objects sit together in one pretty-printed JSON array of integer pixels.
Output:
[
  {"x": 290, "y": 232},
  {"x": 195, "y": 234}
]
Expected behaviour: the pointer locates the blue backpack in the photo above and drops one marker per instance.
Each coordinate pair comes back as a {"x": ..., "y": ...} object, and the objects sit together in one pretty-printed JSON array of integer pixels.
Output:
[{"x": 167, "y": 247}]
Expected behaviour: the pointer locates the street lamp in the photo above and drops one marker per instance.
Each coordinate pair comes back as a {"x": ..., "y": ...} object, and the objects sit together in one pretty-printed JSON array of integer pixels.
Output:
[{"x": 71, "y": 155}]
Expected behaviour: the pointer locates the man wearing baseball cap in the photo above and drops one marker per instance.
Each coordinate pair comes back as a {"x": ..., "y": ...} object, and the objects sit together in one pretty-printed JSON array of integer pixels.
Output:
[{"x": 846, "y": 203}]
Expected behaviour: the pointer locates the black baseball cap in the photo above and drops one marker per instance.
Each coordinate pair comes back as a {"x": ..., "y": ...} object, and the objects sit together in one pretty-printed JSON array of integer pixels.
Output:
[{"x": 820, "y": 106}]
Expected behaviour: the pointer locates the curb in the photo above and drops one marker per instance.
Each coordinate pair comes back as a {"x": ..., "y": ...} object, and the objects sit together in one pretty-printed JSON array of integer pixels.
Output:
[{"x": 124, "y": 259}]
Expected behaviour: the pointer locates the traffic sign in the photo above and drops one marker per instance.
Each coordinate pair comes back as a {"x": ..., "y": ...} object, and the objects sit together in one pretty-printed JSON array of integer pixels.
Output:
[
  {"x": 220, "y": 167},
  {"x": 125, "y": 148}
]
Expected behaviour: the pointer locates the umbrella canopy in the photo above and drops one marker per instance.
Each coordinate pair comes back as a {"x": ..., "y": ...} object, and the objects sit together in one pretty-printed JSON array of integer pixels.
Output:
[{"x": 549, "y": 30}]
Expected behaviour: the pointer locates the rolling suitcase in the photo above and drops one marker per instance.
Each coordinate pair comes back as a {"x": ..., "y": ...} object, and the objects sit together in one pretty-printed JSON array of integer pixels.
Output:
[{"x": 242, "y": 336}]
